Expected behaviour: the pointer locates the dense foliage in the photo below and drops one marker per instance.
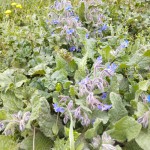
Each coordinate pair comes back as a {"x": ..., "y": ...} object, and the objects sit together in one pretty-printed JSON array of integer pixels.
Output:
[{"x": 75, "y": 75}]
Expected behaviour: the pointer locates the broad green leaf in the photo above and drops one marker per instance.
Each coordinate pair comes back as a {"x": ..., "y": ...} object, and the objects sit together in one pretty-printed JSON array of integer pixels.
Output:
[
  {"x": 141, "y": 109},
  {"x": 101, "y": 115},
  {"x": 105, "y": 53},
  {"x": 115, "y": 83},
  {"x": 61, "y": 144},
  {"x": 41, "y": 142},
  {"x": 37, "y": 70},
  {"x": 11, "y": 102},
  {"x": 132, "y": 145},
  {"x": 143, "y": 140},
  {"x": 143, "y": 85},
  {"x": 41, "y": 113},
  {"x": 90, "y": 133},
  {"x": 20, "y": 79},
  {"x": 5, "y": 81},
  {"x": 59, "y": 75},
  {"x": 125, "y": 129},
  {"x": 118, "y": 109},
  {"x": 81, "y": 72},
  {"x": 82, "y": 11},
  {"x": 7, "y": 143},
  {"x": 3, "y": 114},
  {"x": 90, "y": 47}
]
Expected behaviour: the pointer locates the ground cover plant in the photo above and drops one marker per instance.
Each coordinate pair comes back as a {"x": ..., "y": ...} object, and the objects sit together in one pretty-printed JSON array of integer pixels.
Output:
[{"x": 74, "y": 75}]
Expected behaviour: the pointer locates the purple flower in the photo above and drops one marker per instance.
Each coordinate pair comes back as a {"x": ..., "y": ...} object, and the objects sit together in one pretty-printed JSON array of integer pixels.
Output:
[
  {"x": 148, "y": 98},
  {"x": 124, "y": 44},
  {"x": 104, "y": 95},
  {"x": 70, "y": 31},
  {"x": 66, "y": 118},
  {"x": 99, "y": 59},
  {"x": 72, "y": 48},
  {"x": 104, "y": 27},
  {"x": 144, "y": 120},
  {"x": 2, "y": 126},
  {"x": 76, "y": 18},
  {"x": 21, "y": 125},
  {"x": 104, "y": 107},
  {"x": 70, "y": 105},
  {"x": 85, "y": 121},
  {"x": 77, "y": 112},
  {"x": 87, "y": 35},
  {"x": 58, "y": 109},
  {"x": 8, "y": 132},
  {"x": 55, "y": 22},
  {"x": 69, "y": 7},
  {"x": 26, "y": 116},
  {"x": 112, "y": 67}
]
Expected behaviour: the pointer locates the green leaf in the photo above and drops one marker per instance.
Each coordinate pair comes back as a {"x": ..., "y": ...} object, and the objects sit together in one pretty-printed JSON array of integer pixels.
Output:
[
  {"x": 41, "y": 113},
  {"x": 6, "y": 81},
  {"x": 41, "y": 142},
  {"x": 20, "y": 79},
  {"x": 37, "y": 70},
  {"x": 7, "y": 143},
  {"x": 3, "y": 114},
  {"x": 101, "y": 115},
  {"x": 11, "y": 102},
  {"x": 90, "y": 133},
  {"x": 81, "y": 72},
  {"x": 115, "y": 83},
  {"x": 143, "y": 140},
  {"x": 143, "y": 85},
  {"x": 61, "y": 144},
  {"x": 82, "y": 11},
  {"x": 125, "y": 129},
  {"x": 118, "y": 110},
  {"x": 105, "y": 52},
  {"x": 132, "y": 145},
  {"x": 141, "y": 109}
]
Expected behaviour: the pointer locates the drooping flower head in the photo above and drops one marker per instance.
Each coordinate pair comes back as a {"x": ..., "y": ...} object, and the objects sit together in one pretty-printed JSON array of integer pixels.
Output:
[{"x": 104, "y": 107}]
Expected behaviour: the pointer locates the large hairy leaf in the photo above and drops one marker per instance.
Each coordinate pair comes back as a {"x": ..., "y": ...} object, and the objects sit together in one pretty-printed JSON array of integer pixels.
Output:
[
  {"x": 11, "y": 102},
  {"x": 143, "y": 140},
  {"x": 7, "y": 143},
  {"x": 41, "y": 113},
  {"x": 118, "y": 109},
  {"x": 41, "y": 142},
  {"x": 125, "y": 129}
]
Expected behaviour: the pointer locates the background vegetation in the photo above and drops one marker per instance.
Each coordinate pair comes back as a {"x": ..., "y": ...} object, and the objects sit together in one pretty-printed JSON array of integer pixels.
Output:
[{"x": 74, "y": 75}]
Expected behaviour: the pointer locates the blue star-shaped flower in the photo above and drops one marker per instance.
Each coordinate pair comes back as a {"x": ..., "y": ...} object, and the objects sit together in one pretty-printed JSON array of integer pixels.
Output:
[
  {"x": 58, "y": 109},
  {"x": 70, "y": 31}
]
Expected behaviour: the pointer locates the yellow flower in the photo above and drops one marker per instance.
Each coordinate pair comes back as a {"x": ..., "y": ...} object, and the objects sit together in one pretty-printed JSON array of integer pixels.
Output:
[
  {"x": 13, "y": 4},
  {"x": 7, "y": 12},
  {"x": 19, "y": 6}
]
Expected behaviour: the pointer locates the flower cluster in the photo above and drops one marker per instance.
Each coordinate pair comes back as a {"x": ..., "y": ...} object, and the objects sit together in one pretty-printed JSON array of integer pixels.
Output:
[
  {"x": 68, "y": 22},
  {"x": 19, "y": 119},
  {"x": 86, "y": 87}
]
